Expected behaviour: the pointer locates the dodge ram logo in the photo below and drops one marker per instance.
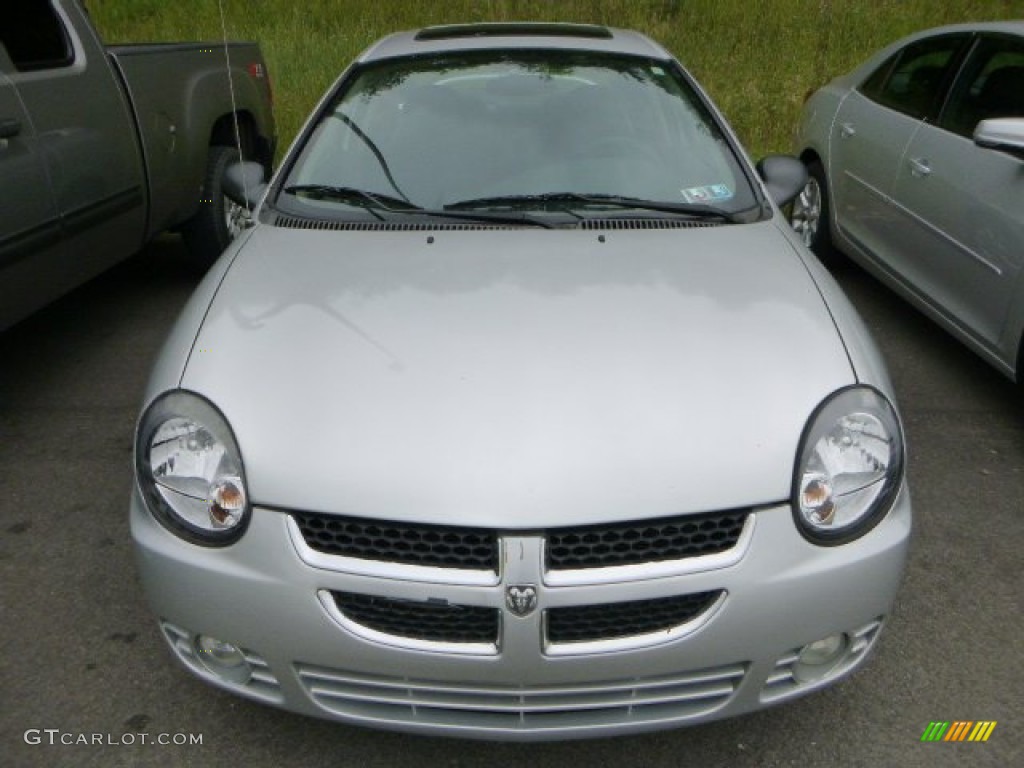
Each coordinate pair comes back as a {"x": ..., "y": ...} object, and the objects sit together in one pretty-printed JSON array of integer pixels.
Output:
[{"x": 521, "y": 599}]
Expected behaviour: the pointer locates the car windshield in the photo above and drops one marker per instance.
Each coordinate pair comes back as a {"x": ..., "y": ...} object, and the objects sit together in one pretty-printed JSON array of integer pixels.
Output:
[{"x": 553, "y": 131}]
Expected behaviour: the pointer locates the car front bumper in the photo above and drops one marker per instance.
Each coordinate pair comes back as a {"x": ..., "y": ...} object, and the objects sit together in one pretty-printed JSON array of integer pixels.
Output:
[{"x": 272, "y": 598}]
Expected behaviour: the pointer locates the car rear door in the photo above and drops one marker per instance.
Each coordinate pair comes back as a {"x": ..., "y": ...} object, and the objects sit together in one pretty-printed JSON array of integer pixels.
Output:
[
  {"x": 870, "y": 135},
  {"x": 962, "y": 206},
  {"x": 31, "y": 250}
]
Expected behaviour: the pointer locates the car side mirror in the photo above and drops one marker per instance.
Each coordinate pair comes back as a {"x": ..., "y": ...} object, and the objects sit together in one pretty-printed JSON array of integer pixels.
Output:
[
  {"x": 1005, "y": 134},
  {"x": 244, "y": 183},
  {"x": 784, "y": 176}
]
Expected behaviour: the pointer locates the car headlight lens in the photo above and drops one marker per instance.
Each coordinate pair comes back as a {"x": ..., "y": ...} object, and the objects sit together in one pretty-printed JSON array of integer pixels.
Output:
[
  {"x": 189, "y": 469},
  {"x": 849, "y": 467}
]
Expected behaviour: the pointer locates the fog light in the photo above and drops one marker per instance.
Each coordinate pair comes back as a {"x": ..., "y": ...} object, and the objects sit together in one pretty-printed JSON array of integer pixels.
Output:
[
  {"x": 223, "y": 659},
  {"x": 817, "y": 659}
]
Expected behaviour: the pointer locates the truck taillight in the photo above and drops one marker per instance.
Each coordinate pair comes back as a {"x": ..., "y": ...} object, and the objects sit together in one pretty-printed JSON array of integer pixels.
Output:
[{"x": 257, "y": 71}]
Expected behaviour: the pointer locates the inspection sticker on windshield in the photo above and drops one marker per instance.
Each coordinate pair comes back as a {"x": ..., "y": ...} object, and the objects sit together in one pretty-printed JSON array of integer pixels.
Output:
[{"x": 708, "y": 194}]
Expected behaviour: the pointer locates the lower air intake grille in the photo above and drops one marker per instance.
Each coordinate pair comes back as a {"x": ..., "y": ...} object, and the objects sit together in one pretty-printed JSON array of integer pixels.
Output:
[
  {"x": 436, "y": 622},
  {"x": 409, "y": 543},
  {"x": 645, "y": 541},
  {"x": 588, "y": 623},
  {"x": 568, "y": 708}
]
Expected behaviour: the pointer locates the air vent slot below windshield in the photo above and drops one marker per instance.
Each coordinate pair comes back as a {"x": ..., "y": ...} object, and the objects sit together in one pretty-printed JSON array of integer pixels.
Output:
[{"x": 297, "y": 222}]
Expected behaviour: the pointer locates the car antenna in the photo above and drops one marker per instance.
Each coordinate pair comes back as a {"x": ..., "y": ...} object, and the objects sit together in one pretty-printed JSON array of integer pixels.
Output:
[{"x": 234, "y": 105}]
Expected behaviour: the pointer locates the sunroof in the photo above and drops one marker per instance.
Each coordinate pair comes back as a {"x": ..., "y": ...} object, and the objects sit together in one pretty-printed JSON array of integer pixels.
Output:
[{"x": 521, "y": 29}]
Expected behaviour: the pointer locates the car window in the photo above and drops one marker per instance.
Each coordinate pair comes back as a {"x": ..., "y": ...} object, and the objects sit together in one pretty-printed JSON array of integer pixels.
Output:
[
  {"x": 912, "y": 81},
  {"x": 992, "y": 85},
  {"x": 454, "y": 127},
  {"x": 34, "y": 36}
]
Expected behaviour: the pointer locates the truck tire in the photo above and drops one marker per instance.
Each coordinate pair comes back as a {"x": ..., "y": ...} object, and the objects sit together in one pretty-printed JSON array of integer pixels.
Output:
[{"x": 218, "y": 220}]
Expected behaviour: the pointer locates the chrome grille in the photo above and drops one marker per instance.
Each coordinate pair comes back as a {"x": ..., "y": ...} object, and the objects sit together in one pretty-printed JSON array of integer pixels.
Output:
[
  {"x": 419, "y": 620},
  {"x": 607, "y": 621},
  {"x": 567, "y": 549},
  {"x": 645, "y": 541},
  {"x": 515, "y": 708},
  {"x": 409, "y": 543}
]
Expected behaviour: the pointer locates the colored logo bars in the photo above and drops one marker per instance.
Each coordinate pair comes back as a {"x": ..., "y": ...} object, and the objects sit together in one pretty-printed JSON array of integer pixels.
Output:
[{"x": 959, "y": 730}]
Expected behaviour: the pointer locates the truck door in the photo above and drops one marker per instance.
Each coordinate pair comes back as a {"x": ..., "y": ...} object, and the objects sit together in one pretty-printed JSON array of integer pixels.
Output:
[
  {"x": 84, "y": 129},
  {"x": 31, "y": 250}
]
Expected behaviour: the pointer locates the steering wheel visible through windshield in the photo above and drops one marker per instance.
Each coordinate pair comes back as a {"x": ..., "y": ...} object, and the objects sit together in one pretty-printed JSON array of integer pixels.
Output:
[{"x": 555, "y": 131}]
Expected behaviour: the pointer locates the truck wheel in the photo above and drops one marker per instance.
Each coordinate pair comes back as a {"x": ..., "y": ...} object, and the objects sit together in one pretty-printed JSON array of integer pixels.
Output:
[{"x": 218, "y": 220}]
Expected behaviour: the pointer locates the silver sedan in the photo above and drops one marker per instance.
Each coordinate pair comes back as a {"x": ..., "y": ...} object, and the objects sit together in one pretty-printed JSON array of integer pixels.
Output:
[
  {"x": 520, "y": 412},
  {"x": 916, "y": 161}
]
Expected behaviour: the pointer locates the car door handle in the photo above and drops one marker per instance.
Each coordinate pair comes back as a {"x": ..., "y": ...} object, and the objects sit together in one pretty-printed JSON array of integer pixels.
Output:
[
  {"x": 9, "y": 128},
  {"x": 919, "y": 167},
  {"x": 846, "y": 130}
]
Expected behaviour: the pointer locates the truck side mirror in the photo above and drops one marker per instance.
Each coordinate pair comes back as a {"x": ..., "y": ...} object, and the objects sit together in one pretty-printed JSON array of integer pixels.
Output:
[{"x": 244, "y": 183}]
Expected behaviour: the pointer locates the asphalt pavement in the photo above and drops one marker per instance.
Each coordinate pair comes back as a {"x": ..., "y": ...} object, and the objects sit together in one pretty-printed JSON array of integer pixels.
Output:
[{"x": 82, "y": 660}]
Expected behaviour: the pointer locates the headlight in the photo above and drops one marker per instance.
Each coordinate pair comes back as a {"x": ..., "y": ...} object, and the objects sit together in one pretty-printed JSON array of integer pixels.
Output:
[
  {"x": 189, "y": 469},
  {"x": 849, "y": 466}
]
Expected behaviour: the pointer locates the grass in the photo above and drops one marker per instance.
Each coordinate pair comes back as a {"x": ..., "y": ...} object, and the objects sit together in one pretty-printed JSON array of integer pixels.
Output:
[{"x": 758, "y": 59}]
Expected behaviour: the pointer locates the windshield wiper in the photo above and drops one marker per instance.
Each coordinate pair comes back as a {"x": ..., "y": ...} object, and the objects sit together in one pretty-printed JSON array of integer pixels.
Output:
[
  {"x": 350, "y": 195},
  {"x": 695, "y": 210},
  {"x": 516, "y": 200},
  {"x": 375, "y": 150},
  {"x": 376, "y": 201}
]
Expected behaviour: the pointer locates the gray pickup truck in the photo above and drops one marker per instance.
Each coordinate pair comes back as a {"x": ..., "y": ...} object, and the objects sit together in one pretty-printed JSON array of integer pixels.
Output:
[{"x": 102, "y": 148}]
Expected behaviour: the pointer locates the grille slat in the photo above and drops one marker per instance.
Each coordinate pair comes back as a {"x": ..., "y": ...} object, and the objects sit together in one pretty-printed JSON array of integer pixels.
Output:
[
  {"x": 645, "y": 541},
  {"x": 511, "y": 708},
  {"x": 608, "y": 621},
  {"x": 435, "y": 622},
  {"x": 409, "y": 543}
]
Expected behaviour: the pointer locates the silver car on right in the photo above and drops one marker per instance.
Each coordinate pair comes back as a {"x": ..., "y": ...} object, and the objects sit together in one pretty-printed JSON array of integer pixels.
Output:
[{"x": 916, "y": 165}]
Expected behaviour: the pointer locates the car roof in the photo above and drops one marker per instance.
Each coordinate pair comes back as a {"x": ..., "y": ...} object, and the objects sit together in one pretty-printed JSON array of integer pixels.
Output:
[
  {"x": 1003, "y": 27},
  {"x": 865, "y": 68},
  {"x": 506, "y": 35},
  {"x": 1015, "y": 27}
]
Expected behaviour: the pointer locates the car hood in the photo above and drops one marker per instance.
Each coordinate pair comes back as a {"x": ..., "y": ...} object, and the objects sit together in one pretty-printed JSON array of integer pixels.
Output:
[{"x": 518, "y": 378}]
